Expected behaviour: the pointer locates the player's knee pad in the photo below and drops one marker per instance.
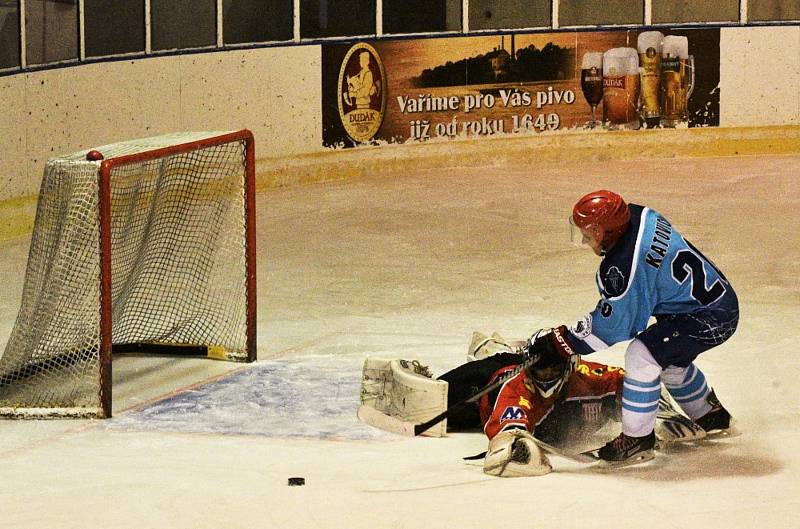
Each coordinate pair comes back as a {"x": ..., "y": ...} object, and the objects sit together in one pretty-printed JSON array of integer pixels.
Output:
[
  {"x": 514, "y": 453},
  {"x": 639, "y": 362}
]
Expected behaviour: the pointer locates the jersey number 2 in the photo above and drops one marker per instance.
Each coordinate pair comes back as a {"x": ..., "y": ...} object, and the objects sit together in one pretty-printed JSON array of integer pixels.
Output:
[{"x": 687, "y": 263}]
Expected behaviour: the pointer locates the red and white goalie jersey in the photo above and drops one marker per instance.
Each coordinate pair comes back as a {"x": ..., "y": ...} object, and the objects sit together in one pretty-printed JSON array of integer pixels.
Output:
[{"x": 590, "y": 397}]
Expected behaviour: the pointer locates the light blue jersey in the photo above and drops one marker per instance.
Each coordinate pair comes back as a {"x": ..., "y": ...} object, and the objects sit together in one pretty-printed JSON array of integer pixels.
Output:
[{"x": 653, "y": 271}]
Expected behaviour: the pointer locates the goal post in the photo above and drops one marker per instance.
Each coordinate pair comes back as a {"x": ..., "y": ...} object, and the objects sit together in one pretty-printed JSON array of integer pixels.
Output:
[{"x": 146, "y": 246}]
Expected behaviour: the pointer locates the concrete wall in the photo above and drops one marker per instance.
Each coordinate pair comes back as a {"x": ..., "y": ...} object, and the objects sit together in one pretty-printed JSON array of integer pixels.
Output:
[
  {"x": 274, "y": 92},
  {"x": 760, "y": 76}
]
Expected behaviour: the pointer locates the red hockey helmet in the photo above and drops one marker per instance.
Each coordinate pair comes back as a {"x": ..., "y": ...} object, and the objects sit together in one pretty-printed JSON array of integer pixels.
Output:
[{"x": 602, "y": 214}]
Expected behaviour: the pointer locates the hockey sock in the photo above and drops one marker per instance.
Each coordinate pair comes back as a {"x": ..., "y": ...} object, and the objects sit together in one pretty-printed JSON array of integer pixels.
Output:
[
  {"x": 639, "y": 406},
  {"x": 640, "y": 390},
  {"x": 688, "y": 387}
]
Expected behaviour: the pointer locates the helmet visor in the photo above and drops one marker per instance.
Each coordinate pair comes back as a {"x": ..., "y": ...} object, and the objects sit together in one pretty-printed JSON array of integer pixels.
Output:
[
  {"x": 575, "y": 234},
  {"x": 548, "y": 380},
  {"x": 548, "y": 375}
]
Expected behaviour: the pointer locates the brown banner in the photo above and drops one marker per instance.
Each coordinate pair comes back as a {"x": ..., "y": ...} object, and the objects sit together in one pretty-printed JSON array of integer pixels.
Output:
[{"x": 423, "y": 89}]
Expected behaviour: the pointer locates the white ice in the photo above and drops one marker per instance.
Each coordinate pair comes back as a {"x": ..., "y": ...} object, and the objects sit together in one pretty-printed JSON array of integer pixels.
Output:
[{"x": 408, "y": 265}]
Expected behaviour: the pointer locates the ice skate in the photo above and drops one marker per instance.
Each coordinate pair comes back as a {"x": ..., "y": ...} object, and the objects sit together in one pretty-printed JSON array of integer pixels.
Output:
[
  {"x": 718, "y": 422},
  {"x": 627, "y": 450},
  {"x": 673, "y": 427}
]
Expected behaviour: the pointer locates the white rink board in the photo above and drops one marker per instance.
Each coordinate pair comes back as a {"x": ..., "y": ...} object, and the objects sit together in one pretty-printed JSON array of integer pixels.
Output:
[
  {"x": 759, "y": 76},
  {"x": 409, "y": 266},
  {"x": 274, "y": 92}
]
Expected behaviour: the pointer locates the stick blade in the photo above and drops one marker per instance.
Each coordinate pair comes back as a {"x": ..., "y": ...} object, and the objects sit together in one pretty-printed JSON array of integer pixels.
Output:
[
  {"x": 579, "y": 457},
  {"x": 380, "y": 420}
]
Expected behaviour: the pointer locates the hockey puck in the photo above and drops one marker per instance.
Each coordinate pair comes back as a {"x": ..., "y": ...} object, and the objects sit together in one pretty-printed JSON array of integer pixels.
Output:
[{"x": 296, "y": 482}]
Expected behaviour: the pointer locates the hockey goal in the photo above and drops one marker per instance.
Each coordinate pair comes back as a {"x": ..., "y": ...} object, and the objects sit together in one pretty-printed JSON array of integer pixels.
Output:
[{"x": 140, "y": 246}]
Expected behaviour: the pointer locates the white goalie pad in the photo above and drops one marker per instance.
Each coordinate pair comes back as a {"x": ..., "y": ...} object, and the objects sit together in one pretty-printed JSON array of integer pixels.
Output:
[
  {"x": 404, "y": 389},
  {"x": 482, "y": 346}
]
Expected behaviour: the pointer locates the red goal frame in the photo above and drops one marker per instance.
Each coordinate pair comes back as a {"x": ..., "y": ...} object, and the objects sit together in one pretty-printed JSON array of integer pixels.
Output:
[{"x": 104, "y": 182}]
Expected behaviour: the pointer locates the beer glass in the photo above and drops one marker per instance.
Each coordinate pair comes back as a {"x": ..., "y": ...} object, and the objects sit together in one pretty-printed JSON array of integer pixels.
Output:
[
  {"x": 677, "y": 80},
  {"x": 649, "y": 46},
  {"x": 592, "y": 82},
  {"x": 621, "y": 88}
]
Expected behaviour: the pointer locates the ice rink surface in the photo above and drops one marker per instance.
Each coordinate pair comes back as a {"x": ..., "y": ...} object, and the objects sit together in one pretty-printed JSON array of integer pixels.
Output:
[{"x": 408, "y": 266}]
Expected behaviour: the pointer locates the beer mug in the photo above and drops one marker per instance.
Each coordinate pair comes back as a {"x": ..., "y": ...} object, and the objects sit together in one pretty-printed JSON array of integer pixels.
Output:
[
  {"x": 649, "y": 46},
  {"x": 621, "y": 88},
  {"x": 592, "y": 82},
  {"x": 677, "y": 80}
]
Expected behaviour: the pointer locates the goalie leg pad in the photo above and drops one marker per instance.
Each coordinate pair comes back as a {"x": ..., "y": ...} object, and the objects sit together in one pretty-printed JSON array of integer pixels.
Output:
[
  {"x": 404, "y": 389},
  {"x": 514, "y": 453},
  {"x": 482, "y": 346},
  {"x": 376, "y": 383}
]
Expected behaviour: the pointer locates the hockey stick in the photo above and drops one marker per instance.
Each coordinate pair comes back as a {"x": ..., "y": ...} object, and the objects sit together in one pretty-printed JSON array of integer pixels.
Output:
[
  {"x": 388, "y": 423},
  {"x": 578, "y": 457}
]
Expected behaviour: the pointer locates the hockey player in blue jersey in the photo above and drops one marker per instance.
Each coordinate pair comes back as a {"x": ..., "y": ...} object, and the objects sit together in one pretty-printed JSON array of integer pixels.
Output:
[{"x": 649, "y": 270}]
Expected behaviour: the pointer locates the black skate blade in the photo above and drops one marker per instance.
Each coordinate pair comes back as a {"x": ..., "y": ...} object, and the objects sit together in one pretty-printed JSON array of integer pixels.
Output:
[{"x": 731, "y": 431}]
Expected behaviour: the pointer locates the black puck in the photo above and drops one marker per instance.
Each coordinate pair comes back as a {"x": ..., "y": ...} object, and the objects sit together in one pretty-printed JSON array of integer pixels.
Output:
[{"x": 295, "y": 482}]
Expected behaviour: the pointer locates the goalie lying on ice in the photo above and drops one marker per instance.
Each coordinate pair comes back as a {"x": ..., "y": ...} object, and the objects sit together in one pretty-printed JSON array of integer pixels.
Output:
[{"x": 559, "y": 401}]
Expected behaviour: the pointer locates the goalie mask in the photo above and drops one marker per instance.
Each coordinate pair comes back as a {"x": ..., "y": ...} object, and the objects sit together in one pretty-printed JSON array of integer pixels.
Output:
[{"x": 550, "y": 373}]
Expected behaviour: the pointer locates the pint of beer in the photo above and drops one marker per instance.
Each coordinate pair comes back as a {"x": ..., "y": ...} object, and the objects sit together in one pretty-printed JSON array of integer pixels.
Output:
[
  {"x": 677, "y": 80},
  {"x": 649, "y": 45},
  {"x": 621, "y": 88},
  {"x": 592, "y": 82}
]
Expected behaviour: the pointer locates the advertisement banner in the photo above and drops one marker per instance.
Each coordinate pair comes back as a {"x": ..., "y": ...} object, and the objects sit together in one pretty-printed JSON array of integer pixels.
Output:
[{"x": 415, "y": 90}]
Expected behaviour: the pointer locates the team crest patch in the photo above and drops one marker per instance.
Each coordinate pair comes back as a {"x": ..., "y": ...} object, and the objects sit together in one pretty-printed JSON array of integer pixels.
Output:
[
  {"x": 582, "y": 327},
  {"x": 362, "y": 92},
  {"x": 513, "y": 413},
  {"x": 614, "y": 281}
]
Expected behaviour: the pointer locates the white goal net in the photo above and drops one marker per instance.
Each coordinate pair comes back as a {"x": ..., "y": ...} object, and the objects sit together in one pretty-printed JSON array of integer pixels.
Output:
[{"x": 151, "y": 250}]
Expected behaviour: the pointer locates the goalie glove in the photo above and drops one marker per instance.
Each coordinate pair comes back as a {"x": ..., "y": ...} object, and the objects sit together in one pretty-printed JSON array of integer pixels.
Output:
[
  {"x": 514, "y": 453},
  {"x": 545, "y": 342}
]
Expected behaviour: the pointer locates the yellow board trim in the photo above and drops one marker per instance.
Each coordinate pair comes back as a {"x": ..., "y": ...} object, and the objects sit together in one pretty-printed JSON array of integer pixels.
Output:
[
  {"x": 16, "y": 217},
  {"x": 555, "y": 147}
]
